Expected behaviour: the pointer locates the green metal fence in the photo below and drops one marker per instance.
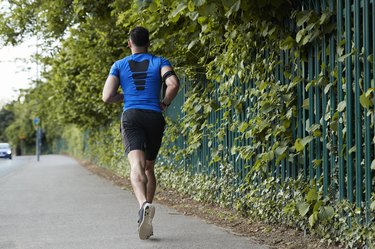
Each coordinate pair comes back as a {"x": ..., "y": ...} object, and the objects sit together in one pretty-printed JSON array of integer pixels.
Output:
[{"x": 343, "y": 60}]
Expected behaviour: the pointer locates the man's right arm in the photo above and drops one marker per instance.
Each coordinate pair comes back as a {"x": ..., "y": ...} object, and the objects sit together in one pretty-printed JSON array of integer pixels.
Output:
[{"x": 110, "y": 94}]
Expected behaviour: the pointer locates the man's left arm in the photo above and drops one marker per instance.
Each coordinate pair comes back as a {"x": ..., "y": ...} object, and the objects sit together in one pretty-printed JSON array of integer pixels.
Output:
[
  {"x": 173, "y": 84},
  {"x": 110, "y": 94}
]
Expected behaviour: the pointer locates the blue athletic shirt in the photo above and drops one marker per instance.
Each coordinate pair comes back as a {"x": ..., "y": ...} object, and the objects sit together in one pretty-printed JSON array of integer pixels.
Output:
[{"x": 140, "y": 80}]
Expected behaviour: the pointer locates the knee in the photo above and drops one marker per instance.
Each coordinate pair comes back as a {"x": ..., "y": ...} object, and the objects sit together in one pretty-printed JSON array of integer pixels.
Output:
[
  {"x": 137, "y": 173},
  {"x": 138, "y": 176},
  {"x": 150, "y": 166}
]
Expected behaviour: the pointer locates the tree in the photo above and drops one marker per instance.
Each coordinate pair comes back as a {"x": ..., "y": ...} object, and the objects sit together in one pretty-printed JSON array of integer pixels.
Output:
[
  {"x": 6, "y": 118},
  {"x": 21, "y": 133}
]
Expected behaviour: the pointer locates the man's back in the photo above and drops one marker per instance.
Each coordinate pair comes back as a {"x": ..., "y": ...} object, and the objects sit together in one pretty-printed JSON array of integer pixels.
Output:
[{"x": 140, "y": 80}]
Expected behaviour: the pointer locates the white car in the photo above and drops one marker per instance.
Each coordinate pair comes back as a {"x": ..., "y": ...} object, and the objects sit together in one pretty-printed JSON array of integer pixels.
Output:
[{"x": 5, "y": 150}]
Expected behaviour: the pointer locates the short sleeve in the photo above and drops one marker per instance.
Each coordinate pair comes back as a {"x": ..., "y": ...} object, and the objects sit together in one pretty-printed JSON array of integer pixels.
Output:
[
  {"x": 114, "y": 70},
  {"x": 164, "y": 62}
]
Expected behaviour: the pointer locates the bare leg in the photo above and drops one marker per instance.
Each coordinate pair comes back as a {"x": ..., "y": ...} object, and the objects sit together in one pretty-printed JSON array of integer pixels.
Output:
[
  {"x": 151, "y": 181},
  {"x": 138, "y": 177}
]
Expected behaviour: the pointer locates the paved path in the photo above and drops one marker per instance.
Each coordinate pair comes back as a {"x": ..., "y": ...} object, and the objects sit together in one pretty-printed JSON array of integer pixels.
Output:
[{"x": 56, "y": 203}]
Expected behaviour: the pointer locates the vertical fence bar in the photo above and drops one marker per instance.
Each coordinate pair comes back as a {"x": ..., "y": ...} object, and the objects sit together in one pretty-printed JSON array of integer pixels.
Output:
[
  {"x": 373, "y": 70},
  {"x": 190, "y": 159},
  {"x": 304, "y": 118},
  {"x": 373, "y": 67},
  {"x": 299, "y": 110},
  {"x": 281, "y": 79},
  {"x": 231, "y": 134},
  {"x": 367, "y": 121},
  {"x": 324, "y": 110},
  {"x": 218, "y": 173},
  {"x": 358, "y": 111},
  {"x": 325, "y": 128},
  {"x": 340, "y": 99},
  {"x": 250, "y": 106},
  {"x": 295, "y": 127},
  {"x": 349, "y": 99},
  {"x": 311, "y": 112},
  {"x": 366, "y": 85},
  {"x": 332, "y": 101},
  {"x": 318, "y": 97},
  {"x": 245, "y": 85},
  {"x": 286, "y": 81},
  {"x": 318, "y": 114}
]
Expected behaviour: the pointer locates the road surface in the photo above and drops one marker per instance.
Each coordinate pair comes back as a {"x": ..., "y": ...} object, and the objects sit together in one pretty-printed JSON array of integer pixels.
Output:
[{"x": 55, "y": 203}]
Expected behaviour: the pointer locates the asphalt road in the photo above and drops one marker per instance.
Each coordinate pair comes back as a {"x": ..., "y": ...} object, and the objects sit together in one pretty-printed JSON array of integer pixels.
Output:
[
  {"x": 56, "y": 203},
  {"x": 9, "y": 166}
]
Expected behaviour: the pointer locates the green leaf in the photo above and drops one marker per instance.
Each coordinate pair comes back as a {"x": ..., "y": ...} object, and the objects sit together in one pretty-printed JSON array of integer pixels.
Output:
[
  {"x": 312, "y": 195},
  {"x": 281, "y": 150},
  {"x": 352, "y": 149},
  {"x": 306, "y": 140},
  {"x": 342, "y": 58},
  {"x": 313, "y": 128},
  {"x": 298, "y": 145},
  {"x": 340, "y": 50},
  {"x": 303, "y": 18},
  {"x": 306, "y": 39},
  {"x": 243, "y": 126},
  {"x": 370, "y": 58},
  {"x": 306, "y": 104},
  {"x": 341, "y": 106},
  {"x": 300, "y": 35},
  {"x": 311, "y": 83},
  {"x": 263, "y": 85},
  {"x": 202, "y": 20},
  {"x": 323, "y": 18},
  {"x": 365, "y": 101},
  {"x": 317, "y": 206},
  {"x": 197, "y": 108},
  {"x": 191, "y": 6},
  {"x": 326, "y": 89},
  {"x": 372, "y": 206},
  {"x": 317, "y": 162},
  {"x": 310, "y": 26},
  {"x": 178, "y": 10},
  {"x": 303, "y": 208},
  {"x": 313, "y": 218},
  {"x": 192, "y": 43},
  {"x": 153, "y": 7},
  {"x": 326, "y": 213},
  {"x": 235, "y": 7},
  {"x": 369, "y": 91},
  {"x": 199, "y": 3},
  {"x": 233, "y": 150}
]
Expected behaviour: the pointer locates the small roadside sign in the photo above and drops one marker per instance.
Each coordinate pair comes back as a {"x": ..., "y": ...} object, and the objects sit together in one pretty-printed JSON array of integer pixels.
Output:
[{"x": 36, "y": 121}]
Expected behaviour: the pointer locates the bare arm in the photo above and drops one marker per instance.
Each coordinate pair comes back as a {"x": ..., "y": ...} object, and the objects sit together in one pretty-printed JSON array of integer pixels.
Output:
[
  {"x": 172, "y": 83},
  {"x": 110, "y": 94}
]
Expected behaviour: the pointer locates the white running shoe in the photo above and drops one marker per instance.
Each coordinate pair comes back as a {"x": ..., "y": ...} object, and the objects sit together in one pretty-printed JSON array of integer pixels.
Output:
[{"x": 146, "y": 214}]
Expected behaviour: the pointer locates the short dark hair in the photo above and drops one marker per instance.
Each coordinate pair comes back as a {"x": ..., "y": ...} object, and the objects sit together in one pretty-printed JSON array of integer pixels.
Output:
[{"x": 140, "y": 36}]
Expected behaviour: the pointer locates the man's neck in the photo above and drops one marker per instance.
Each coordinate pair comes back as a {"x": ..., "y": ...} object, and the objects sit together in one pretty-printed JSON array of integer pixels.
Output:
[{"x": 139, "y": 50}]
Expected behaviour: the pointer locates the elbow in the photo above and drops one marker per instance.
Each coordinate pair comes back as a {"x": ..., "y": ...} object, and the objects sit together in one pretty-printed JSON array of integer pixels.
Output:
[
  {"x": 175, "y": 88},
  {"x": 175, "y": 84},
  {"x": 106, "y": 98}
]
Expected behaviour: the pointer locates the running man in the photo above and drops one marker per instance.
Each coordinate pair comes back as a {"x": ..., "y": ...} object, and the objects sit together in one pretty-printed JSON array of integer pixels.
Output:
[{"x": 142, "y": 123}]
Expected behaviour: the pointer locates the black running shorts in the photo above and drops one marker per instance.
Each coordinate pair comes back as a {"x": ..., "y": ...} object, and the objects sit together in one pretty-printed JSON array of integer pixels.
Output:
[{"x": 142, "y": 130}]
